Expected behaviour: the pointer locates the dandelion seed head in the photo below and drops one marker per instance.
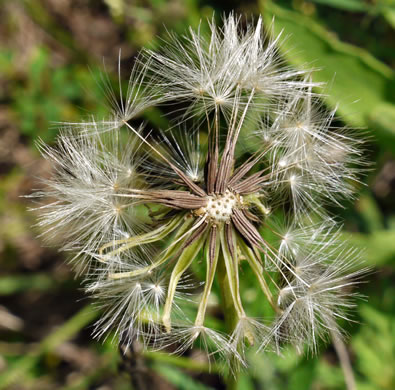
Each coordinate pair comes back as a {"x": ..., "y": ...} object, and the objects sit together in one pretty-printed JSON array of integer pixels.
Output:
[{"x": 147, "y": 212}]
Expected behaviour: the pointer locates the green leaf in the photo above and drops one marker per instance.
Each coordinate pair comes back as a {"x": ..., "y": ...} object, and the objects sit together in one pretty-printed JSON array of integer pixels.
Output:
[
  {"x": 375, "y": 347},
  {"x": 378, "y": 248},
  {"x": 349, "y": 5},
  {"x": 382, "y": 118},
  {"x": 386, "y": 8},
  {"x": 369, "y": 212},
  {"x": 389, "y": 14},
  {"x": 330, "y": 375},
  {"x": 181, "y": 362},
  {"x": 359, "y": 83},
  {"x": 303, "y": 376},
  {"x": 245, "y": 382},
  {"x": 179, "y": 379},
  {"x": 16, "y": 283}
]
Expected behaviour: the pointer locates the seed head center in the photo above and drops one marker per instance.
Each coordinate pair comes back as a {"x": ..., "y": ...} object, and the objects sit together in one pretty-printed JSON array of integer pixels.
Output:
[{"x": 220, "y": 207}]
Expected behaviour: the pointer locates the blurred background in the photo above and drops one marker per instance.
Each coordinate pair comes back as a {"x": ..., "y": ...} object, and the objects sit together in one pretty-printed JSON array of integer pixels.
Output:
[{"x": 51, "y": 56}]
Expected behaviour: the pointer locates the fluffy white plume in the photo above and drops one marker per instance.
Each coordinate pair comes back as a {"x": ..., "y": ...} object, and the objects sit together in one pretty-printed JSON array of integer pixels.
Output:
[{"x": 141, "y": 209}]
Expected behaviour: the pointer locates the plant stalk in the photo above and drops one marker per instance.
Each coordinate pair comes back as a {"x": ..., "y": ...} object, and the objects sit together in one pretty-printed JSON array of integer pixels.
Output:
[{"x": 231, "y": 317}]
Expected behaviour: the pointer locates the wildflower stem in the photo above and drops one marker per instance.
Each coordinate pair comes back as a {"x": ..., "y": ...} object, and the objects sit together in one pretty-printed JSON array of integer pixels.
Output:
[
  {"x": 344, "y": 359},
  {"x": 185, "y": 260},
  {"x": 232, "y": 381},
  {"x": 230, "y": 314},
  {"x": 170, "y": 251},
  {"x": 258, "y": 271},
  {"x": 212, "y": 261},
  {"x": 228, "y": 307},
  {"x": 231, "y": 266},
  {"x": 142, "y": 239}
]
